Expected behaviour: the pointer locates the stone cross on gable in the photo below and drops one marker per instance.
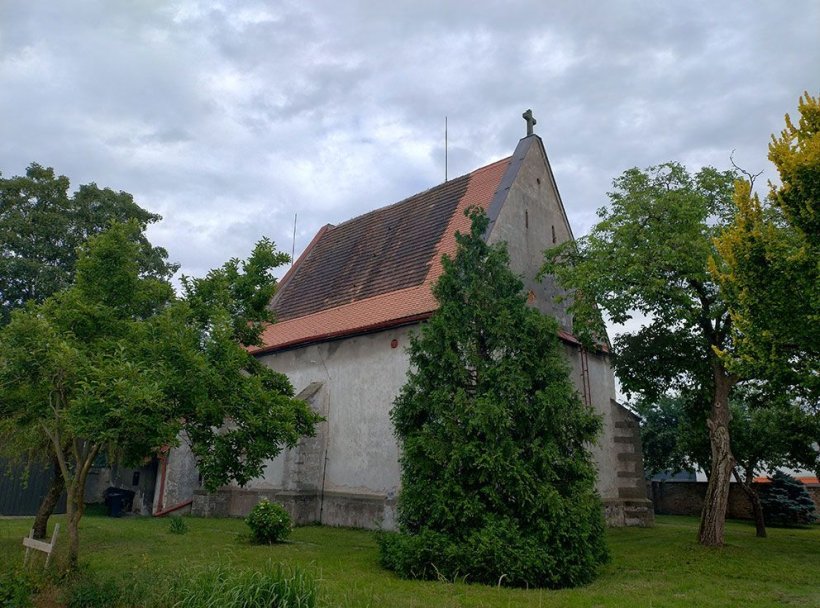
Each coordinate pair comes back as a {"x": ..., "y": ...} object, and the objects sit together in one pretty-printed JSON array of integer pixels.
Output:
[{"x": 531, "y": 122}]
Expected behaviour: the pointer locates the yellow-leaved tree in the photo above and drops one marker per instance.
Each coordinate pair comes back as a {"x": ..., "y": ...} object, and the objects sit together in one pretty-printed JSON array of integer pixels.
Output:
[{"x": 769, "y": 273}]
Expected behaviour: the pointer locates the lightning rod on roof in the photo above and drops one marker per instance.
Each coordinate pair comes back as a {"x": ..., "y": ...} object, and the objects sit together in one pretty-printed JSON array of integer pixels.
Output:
[
  {"x": 293, "y": 243},
  {"x": 445, "y": 148}
]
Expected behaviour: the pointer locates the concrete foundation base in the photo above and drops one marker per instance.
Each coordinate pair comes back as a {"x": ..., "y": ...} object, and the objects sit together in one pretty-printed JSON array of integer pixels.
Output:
[
  {"x": 635, "y": 512},
  {"x": 370, "y": 512}
]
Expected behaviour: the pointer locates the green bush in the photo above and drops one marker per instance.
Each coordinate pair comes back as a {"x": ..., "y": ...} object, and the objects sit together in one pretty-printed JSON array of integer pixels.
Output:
[
  {"x": 17, "y": 586},
  {"x": 269, "y": 523},
  {"x": 786, "y": 502},
  {"x": 565, "y": 552},
  {"x": 87, "y": 590},
  {"x": 177, "y": 525}
]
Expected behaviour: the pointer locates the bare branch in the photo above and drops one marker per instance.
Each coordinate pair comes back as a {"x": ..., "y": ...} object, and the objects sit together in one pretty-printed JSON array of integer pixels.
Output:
[{"x": 749, "y": 176}]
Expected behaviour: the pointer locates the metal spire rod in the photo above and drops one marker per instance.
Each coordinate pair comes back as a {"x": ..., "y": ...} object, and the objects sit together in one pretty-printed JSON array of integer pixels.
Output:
[
  {"x": 445, "y": 148},
  {"x": 293, "y": 243}
]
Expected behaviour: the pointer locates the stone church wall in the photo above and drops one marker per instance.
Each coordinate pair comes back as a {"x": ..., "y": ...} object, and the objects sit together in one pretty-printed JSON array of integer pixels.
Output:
[
  {"x": 531, "y": 220},
  {"x": 348, "y": 475}
]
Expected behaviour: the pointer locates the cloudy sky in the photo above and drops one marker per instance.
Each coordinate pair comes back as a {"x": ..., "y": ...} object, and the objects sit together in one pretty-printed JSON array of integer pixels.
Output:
[{"x": 230, "y": 117}]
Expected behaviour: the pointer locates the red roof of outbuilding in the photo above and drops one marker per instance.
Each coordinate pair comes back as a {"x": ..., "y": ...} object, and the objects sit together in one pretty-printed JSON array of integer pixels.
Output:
[
  {"x": 376, "y": 271},
  {"x": 806, "y": 479}
]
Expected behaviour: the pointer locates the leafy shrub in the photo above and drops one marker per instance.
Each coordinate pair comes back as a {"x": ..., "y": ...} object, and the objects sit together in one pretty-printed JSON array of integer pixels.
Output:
[
  {"x": 558, "y": 553},
  {"x": 87, "y": 590},
  {"x": 269, "y": 523},
  {"x": 221, "y": 585},
  {"x": 786, "y": 502},
  {"x": 17, "y": 586},
  {"x": 177, "y": 526}
]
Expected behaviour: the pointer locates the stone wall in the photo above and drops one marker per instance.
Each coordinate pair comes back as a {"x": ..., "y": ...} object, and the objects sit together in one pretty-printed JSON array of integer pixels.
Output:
[
  {"x": 305, "y": 507},
  {"x": 686, "y": 498},
  {"x": 530, "y": 220},
  {"x": 177, "y": 478},
  {"x": 348, "y": 474}
]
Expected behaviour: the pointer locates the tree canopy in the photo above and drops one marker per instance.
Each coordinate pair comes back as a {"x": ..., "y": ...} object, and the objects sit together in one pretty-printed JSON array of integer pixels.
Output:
[
  {"x": 771, "y": 264},
  {"x": 672, "y": 436},
  {"x": 649, "y": 254},
  {"x": 117, "y": 363},
  {"x": 497, "y": 479},
  {"x": 42, "y": 228},
  {"x": 729, "y": 287}
]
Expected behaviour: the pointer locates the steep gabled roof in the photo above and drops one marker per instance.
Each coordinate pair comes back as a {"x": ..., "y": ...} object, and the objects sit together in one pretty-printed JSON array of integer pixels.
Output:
[{"x": 376, "y": 271}]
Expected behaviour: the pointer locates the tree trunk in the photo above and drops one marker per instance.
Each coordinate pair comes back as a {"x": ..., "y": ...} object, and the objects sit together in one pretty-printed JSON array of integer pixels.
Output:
[
  {"x": 73, "y": 515},
  {"x": 713, "y": 517},
  {"x": 75, "y": 510},
  {"x": 751, "y": 493},
  {"x": 757, "y": 510},
  {"x": 49, "y": 501},
  {"x": 76, "y": 506}
]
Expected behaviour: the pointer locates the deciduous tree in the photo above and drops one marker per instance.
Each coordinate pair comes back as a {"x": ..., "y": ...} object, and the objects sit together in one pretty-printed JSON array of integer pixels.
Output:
[
  {"x": 770, "y": 268},
  {"x": 649, "y": 253},
  {"x": 42, "y": 227},
  {"x": 116, "y": 362},
  {"x": 672, "y": 435},
  {"x": 768, "y": 430}
]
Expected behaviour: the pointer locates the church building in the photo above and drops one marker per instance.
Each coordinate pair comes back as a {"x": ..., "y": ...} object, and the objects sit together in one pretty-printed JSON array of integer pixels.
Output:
[{"x": 345, "y": 312}]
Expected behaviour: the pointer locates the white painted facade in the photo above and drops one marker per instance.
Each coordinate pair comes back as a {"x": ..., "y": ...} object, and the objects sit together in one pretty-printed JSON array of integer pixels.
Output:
[{"x": 349, "y": 473}]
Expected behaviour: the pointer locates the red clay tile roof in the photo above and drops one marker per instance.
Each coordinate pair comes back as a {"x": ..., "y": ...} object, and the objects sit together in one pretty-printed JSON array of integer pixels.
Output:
[
  {"x": 376, "y": 270},
  {"x": 806, "y": 479}
]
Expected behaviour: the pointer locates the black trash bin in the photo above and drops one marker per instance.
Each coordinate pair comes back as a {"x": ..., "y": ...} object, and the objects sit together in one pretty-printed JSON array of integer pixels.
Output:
[{"x": 118, "y": 501}]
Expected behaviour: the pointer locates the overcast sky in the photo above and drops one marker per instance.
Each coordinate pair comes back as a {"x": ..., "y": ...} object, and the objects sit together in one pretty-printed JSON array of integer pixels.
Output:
[{"x": 229, "y": 117}]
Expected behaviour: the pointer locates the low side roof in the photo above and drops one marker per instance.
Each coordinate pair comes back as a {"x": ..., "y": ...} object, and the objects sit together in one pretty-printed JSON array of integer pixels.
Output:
[{"x": 376, "y": 271}]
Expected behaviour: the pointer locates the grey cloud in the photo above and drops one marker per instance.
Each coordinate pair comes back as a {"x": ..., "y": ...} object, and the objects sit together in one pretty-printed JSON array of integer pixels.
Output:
[{"x": 228, "y": 118}]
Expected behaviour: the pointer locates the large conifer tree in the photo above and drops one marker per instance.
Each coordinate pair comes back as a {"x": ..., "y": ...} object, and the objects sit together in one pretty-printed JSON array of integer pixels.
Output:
[{"x": 497, "y": 478}]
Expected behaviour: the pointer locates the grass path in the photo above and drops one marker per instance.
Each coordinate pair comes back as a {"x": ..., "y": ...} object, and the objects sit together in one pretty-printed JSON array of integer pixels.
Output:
[{"x": 662, "y": 566}]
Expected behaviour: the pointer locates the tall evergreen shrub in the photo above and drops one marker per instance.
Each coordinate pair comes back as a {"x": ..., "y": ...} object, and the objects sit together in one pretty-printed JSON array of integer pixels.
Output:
[
  {"x": 786, "y": 502},
  {"x": 497, "y": 478}
]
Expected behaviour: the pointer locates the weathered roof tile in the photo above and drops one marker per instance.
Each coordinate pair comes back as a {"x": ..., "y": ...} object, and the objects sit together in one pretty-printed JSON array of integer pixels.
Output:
[{"x": 376, "y": 270}]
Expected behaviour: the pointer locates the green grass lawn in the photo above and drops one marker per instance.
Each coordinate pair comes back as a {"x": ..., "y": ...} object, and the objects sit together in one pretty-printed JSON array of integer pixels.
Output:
[{"x": 661, "y": 566}]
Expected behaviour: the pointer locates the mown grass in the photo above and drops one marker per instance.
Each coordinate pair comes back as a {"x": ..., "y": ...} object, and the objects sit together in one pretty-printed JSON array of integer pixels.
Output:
[{"x": 661, "y": 566}]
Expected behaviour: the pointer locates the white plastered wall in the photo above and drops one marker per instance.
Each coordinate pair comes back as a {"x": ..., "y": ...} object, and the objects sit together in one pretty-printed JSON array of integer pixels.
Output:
[{"x": 361, "y": 378}]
